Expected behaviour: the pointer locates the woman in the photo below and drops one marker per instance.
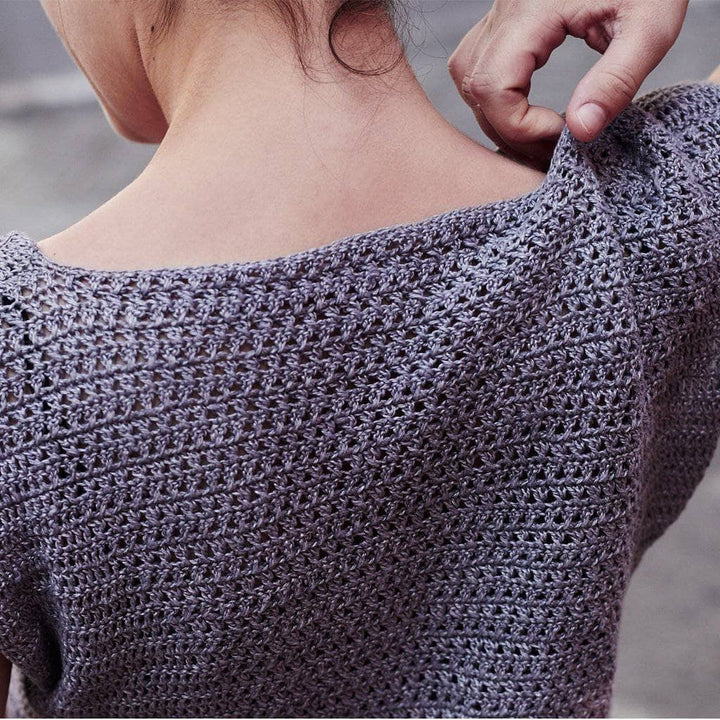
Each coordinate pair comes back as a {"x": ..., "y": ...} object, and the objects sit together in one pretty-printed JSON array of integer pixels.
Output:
[{"x": 250, "y": 468}]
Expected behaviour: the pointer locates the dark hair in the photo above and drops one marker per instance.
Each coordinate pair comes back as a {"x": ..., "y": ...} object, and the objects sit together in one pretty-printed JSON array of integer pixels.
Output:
[{"x": 294, "y": 15}]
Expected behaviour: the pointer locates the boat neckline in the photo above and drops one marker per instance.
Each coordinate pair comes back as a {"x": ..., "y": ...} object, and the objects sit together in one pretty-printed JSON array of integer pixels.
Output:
[{"x": 333, "y": 251}]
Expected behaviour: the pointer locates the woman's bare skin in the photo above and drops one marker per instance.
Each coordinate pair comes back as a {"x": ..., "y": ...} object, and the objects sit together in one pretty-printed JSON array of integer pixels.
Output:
[{"x": 255, "y": 160}]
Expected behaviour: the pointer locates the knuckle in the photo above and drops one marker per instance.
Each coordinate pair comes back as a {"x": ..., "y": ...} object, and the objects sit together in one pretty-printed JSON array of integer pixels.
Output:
[
  {"x": 478, "y": 85},
  {"x": 622, "y": 82}
]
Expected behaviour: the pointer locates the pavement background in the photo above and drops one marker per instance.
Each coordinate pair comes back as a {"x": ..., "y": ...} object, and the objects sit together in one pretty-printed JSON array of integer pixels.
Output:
[{"x": 59, "y": 160}]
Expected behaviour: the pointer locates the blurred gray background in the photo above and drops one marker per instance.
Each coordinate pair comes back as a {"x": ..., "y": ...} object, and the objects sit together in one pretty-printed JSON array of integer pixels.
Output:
[{"x": 59, "y": 159}]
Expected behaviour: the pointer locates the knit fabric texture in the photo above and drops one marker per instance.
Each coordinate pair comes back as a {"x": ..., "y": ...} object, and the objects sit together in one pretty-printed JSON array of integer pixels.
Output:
[{"x": 407, "y": 473}]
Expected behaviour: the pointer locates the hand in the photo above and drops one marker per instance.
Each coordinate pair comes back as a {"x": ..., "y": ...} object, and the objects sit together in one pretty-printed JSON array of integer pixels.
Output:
[{"x": 493, "y": 65}]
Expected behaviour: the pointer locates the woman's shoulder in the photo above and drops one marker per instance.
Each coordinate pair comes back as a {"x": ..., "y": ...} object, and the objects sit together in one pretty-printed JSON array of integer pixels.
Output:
[
  {"x": 680, "y": 103},
  {"x": 658, "y": 162},
  {"x": 671, "y": 124},
  {"x": 14, "y": 258}
]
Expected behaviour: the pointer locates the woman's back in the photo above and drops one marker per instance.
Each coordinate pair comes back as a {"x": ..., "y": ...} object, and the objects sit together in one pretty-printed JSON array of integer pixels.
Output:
[
  {"x": 443, "y": 172},
  {"x": 256, "y": 161},
  {"x": 406, "y": 473}
]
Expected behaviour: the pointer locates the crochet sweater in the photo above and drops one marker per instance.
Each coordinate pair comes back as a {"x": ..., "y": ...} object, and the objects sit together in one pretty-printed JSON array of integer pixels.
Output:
[{"x": 407, "y": 473}]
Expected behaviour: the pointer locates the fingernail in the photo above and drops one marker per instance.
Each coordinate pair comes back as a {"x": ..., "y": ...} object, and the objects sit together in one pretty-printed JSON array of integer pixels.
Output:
[{"x": 592, "y": 117}]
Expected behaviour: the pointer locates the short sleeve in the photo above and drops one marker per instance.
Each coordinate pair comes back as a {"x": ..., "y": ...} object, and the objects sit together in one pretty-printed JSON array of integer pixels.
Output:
[{"x": 658, "y": 172}]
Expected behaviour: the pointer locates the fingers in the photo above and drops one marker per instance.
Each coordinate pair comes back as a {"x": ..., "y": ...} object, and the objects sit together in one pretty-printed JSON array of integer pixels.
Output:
[
  {"x": 492, "y": 69},
  {"x": 538, "y": 157},
  {"x": 636, "y": 46},
  {"x": 501, "y": 89},
  {"x": 466, "y": 50}
]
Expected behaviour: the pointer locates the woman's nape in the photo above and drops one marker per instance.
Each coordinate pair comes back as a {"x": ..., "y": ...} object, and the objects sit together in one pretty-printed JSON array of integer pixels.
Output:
[{"x": 256, "y": 159}]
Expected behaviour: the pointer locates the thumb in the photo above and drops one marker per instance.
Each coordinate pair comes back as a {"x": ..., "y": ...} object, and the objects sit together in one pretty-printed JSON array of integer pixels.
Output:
[{"x": 611, "y": 84}]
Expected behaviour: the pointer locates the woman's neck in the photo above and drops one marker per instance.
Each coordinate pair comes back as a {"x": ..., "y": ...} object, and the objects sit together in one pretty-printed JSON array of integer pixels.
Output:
[{"x": 258, "y": 160}]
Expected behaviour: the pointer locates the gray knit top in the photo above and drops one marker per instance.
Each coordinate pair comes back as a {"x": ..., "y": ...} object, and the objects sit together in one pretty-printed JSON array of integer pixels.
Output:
[{"x": 407, "y": 473}]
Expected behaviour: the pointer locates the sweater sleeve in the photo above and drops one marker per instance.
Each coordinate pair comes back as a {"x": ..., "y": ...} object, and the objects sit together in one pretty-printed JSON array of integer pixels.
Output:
[
  {"x": 26, "y": 635},
  {"x": 662, "y": 193}
]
